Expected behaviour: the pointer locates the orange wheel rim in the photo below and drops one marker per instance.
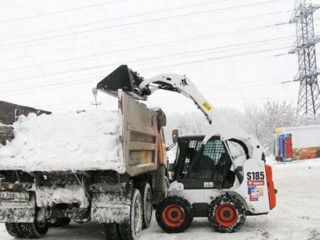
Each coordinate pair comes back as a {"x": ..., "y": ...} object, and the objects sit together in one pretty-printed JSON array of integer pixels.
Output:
[
  {"x": 173, "y": 215},
  {"x": 226, "y": 215}
]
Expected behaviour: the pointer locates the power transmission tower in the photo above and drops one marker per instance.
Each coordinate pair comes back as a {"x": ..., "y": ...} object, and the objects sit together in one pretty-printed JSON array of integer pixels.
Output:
[{"x": 309, "y": 93}]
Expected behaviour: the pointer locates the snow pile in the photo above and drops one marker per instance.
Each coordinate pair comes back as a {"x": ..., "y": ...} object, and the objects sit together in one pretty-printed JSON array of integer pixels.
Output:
[{"x": 86, "y": 140}]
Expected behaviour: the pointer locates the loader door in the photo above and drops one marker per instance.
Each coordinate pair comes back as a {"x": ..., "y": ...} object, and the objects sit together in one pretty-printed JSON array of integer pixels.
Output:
[{"x": 204, "y": 166}]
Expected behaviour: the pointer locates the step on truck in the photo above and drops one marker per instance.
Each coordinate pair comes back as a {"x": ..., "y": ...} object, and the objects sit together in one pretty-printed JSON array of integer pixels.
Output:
[{"x": 35, "y": 197}]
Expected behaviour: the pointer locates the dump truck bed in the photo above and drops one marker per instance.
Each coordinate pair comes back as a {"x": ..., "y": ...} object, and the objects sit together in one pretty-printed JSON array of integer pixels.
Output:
[{"x": 124, "y": 141}]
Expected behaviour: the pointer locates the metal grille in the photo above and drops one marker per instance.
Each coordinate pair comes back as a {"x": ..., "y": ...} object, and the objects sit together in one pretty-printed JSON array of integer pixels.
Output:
[
  {"x": 214, "y": 150},
  {"x": 195, "y": 144},
  {"x": 194, "y": 147}
]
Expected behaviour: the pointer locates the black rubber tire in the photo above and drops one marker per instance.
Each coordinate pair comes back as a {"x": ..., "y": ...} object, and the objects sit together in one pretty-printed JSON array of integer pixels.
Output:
[
  {"x": 167, "y": 182},
  {"x": 61, "y": 222},
  {"x": 82, "y": 221},
  {"x": 231, "y": 202},
  {"x": 14, "y": 230},
  {"x": 34, "y": 230},
  {"x": 131, "y": 228},
  {"x": 186, "y": 209},
  {"x": 111, "y": 231},
  {"x": 146, "y": 196}
]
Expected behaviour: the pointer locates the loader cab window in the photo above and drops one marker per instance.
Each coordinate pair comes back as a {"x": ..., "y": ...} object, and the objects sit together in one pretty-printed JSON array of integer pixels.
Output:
[
  {"x": 214, "y": 149},
  {"x": 188, "y": 148},
  {"x": 236, "y": 150},
  {"x": 199, "y": 165},
  {"x": 205, "y": 165},
  {"x": 191, "y": 151}
]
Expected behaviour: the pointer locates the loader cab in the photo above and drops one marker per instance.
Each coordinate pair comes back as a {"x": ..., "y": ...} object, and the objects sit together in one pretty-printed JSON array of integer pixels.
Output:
[{"x": 204, "y": 166}]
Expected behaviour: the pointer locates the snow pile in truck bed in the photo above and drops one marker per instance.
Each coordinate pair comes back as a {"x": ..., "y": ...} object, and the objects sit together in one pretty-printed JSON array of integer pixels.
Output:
[{"x": 70, "y": 141}]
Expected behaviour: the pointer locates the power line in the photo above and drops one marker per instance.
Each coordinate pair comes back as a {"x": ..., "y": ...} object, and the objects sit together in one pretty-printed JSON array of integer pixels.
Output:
[
  {"x": 59, "y": 12},
  {"x": 98, "y": 76},
  {"x": 214, "y": 35},
  {"x": 122, "y": 18},
  {"x": 137, "y": 22},
  {"x": 217, "y": 58},
  {"x": 146, "y": 46},
  {"x": 49, "y": 86},
  {"x": 147, "y": 59},
  {"x": 165, "y": 32},
  {"x": 81, "y": 81},
  {"x": 242, "y": 84}
]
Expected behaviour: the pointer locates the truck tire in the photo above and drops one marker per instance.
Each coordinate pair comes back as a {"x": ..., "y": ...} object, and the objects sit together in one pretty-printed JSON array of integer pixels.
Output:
[
  {"x": 226, "y": 214},
  {"x": 146, "y": 195},
  {"x": 14, "y": 230},
  {"x": 131, "y": 229},
  {"x": 111, "y": 231},
  {"x": 61, "y": 222},
  {"x": 81, "y": 221},
  {"x": 34, "y": 230},
  {"x": 174, "y": 214}
]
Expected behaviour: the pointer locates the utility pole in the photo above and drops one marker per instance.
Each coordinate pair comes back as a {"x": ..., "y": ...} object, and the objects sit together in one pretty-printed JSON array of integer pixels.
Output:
[{"x": 309, "y": 93}]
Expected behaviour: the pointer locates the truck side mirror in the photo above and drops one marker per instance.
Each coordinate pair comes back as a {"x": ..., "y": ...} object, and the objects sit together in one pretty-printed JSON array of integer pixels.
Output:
[{"x": 175, "y": 135}]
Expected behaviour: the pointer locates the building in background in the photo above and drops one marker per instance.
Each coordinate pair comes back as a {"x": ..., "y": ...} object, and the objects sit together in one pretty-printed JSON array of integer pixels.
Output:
[
  {"x": 295, "y": 143},
  {"x": 9, "y": 113}
]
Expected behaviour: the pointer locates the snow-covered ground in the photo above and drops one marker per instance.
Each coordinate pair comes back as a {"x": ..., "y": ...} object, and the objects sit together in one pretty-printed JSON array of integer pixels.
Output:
[{"x": 297, "y": 215}]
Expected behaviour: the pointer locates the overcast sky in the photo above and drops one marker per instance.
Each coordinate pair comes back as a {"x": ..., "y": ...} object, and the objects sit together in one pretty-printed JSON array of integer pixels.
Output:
[{"x": 53, "y": 52}]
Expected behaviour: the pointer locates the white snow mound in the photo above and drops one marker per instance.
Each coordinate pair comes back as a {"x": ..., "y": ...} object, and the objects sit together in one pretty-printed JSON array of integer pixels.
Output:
[{"x": 87, "y": 140}]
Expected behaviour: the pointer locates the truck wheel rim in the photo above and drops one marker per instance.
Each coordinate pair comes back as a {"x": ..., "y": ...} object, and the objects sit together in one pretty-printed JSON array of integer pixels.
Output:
[
  {"x": 173, "y": 215},
  {"x": 226, "y": 215}
]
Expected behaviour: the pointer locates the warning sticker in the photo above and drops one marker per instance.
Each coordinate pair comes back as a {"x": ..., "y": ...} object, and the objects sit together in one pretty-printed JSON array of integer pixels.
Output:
[
  {"x": 255, "y": 192},
  {"x": 255, "y": 189},
  {"x": 206, "y": 105}
]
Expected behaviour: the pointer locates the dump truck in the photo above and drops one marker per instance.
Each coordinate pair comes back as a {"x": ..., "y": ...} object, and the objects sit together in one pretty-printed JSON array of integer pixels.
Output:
[{"x": 39, "y": 191}]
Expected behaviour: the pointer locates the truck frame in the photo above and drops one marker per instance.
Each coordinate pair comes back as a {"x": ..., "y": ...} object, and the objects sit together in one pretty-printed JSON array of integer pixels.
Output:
[{"x": 31, "y": 202}]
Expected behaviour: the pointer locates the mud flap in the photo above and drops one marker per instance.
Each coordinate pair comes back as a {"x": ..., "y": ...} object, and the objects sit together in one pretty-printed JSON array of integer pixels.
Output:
[
  {"x": 110, "y": 207},
  {"x": 160, "y": 188}
]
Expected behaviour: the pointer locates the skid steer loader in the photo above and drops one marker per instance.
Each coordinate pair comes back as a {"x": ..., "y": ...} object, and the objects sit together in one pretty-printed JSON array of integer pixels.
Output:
[{"x": 222, "y": 176}]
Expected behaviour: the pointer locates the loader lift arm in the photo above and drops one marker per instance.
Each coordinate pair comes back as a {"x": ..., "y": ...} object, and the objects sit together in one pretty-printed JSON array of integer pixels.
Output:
[{"x": 140, "y": 88}]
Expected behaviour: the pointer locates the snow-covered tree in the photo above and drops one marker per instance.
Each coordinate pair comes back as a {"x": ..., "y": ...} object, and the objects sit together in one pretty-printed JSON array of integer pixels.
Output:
[
  {"x": 262, "y": 121},
  {"x": 257, "y": 121}
]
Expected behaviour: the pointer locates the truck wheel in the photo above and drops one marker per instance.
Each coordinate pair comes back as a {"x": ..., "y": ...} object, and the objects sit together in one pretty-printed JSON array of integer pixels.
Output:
[
  {"x": 167, "y": 182},
  {"x": 226, "y": 214},
  {"x": 111, "y": 231},
  {"x": 131, "y": 229},
  {"x": 14, "y": 230},
  {"x": 61, "y": 222},
  {"x": 174, "y": 214},
  {"x": 146, "y": 195},
  {"x": 81, "y": 221},
  {"x": 34, "y": 230}
]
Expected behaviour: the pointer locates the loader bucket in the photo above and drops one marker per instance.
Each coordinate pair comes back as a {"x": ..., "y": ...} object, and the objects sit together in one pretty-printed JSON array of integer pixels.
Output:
[{"x": 121, "y": 78}]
